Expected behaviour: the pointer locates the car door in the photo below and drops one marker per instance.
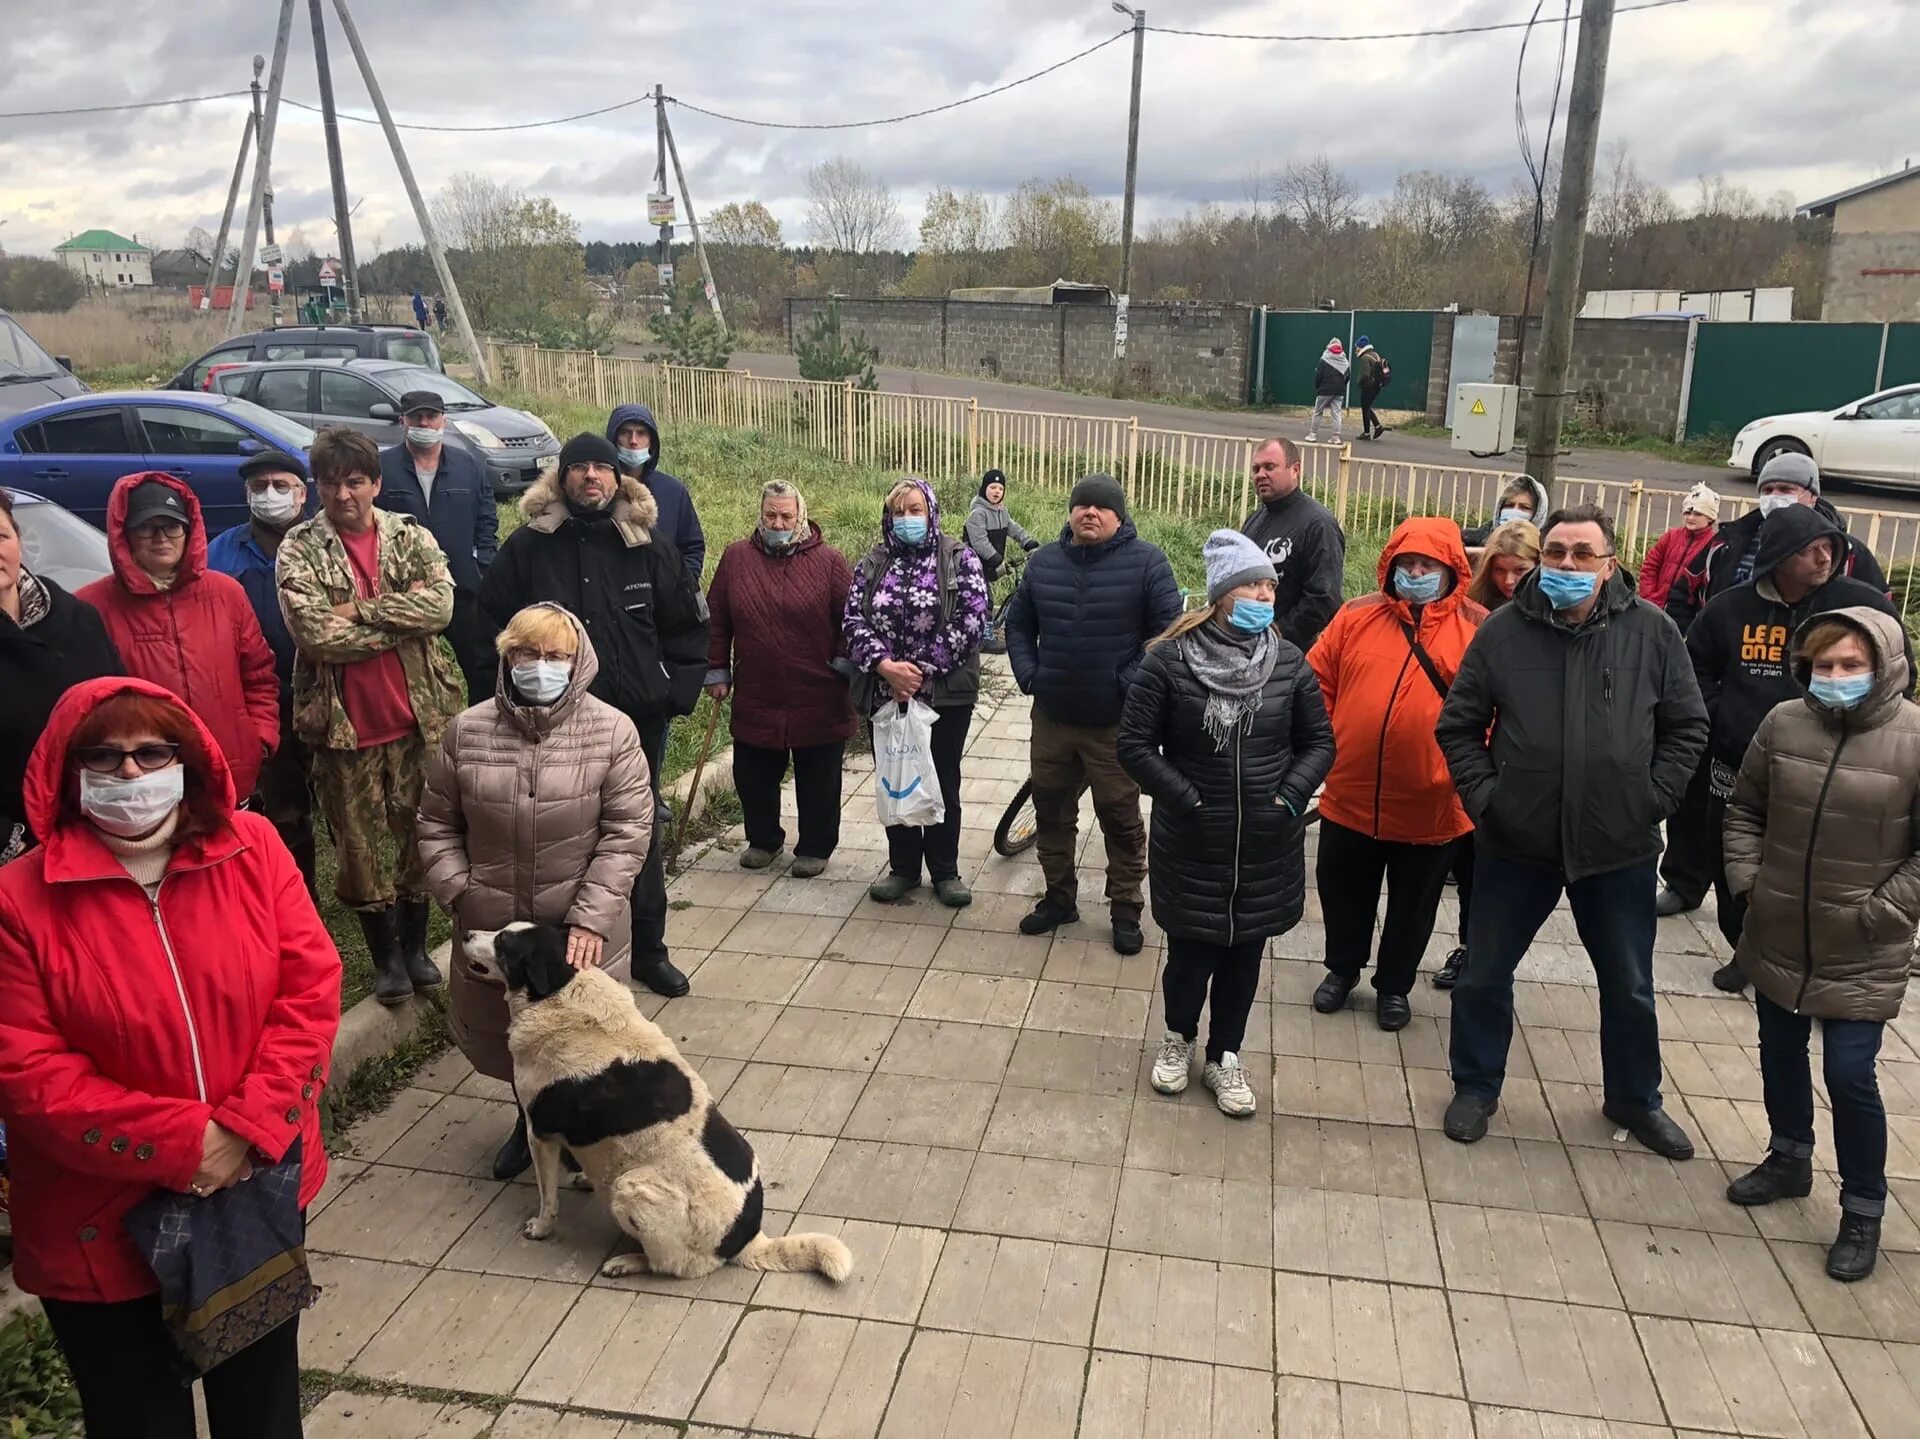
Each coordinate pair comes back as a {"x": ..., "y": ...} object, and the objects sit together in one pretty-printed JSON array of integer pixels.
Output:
[
  {"x": 350, "y": 400},
  {"x": 75, "y": 457},
  {"x": 205, "y": 450},
  {"x": 286, "y": 392},
  {"x": 1880, "y": 440},
  {"x": 195, "y": 377}
]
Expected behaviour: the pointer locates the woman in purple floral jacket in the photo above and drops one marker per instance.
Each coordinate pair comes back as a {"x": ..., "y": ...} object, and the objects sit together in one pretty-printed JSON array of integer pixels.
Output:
[{"x": 915, "y": 618}]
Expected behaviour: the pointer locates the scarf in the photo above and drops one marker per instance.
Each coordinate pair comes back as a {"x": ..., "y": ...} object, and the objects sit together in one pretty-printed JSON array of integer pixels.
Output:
[
  {"x": 35, "y": 603},
  {"x": 1234, "y": 671}
]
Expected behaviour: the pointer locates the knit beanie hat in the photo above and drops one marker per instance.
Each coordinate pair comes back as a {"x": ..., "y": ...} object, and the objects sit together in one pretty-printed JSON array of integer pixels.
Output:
[
  {"x": 1793, "y": 467},
  {"x": 1361, "y": 342},
  {"x": 1103, "y": 492},
  {"x": 1233, "y": 560},
  {"x": 991, "y": 477},
  {"x": 1334, "y": 346},
  {"x": 588, "y": 448},
  {"x": 1702, "y": 500}
]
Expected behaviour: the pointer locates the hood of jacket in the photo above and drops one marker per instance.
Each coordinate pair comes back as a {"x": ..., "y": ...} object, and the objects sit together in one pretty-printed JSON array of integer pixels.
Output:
[
  {"x": 1891, "y": 680},
  {"x": 132, "y": 578},
  {"x": 1339, "y": 361},
  {"x": 1539, "y": 498},
  {"x": 46, "y": 769},
  {"x": 539, "y": 720},
  {"x": 1436, "y": 537},
  {"x": 1616, "y": 595},
  {"x": 544, "y": 507},
  {"x": 1790, "y": 531},
  {"x": 632, "y": 415},
  {"x": 900, "y": 547}
]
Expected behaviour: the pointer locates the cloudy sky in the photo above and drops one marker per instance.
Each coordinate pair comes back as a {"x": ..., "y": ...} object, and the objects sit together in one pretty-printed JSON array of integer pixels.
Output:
[{"x": 1795, "y": 95}]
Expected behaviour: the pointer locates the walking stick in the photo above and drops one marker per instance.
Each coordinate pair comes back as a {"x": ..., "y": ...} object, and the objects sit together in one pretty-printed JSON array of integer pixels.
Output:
[{"x": 693, "y": 790}]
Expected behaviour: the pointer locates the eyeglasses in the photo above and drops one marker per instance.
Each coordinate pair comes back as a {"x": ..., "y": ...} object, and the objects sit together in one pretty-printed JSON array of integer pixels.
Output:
[
  {"x": 160, "y": 530},
  {"x": 1584, "y": 556},
  {"x": 527, "y": 657},
  {"x": 107, "y": 758}
]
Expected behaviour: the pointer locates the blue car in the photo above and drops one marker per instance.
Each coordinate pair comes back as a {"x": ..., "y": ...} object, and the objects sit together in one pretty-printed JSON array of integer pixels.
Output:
[{"x": 73, "y": 450}]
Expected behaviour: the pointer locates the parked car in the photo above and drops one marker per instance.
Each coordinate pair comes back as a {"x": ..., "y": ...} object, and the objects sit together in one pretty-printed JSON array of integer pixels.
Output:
[
  {"x": 29, "y": 376},
  {"x": 365, "y": 395},
  {"x": 315, "y": 342},
  {"x": 57, "y": 544},
  {"x": 1876, "y": 439},
  {"x": 73, "y": 450}
]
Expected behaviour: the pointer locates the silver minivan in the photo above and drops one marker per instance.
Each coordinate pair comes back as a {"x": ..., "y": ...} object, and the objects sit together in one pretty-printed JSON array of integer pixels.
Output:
[{"x": 29, "y": 376}]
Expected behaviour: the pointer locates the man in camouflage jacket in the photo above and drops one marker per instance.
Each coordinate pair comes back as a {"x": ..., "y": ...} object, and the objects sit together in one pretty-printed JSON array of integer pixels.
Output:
[{"x": 366, "y": 595}]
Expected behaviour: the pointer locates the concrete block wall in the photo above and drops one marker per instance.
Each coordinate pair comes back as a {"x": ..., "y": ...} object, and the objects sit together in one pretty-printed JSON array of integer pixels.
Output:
[
  {"x": 1625, "y": 374},
  {"x": 1852, "y": 294}
]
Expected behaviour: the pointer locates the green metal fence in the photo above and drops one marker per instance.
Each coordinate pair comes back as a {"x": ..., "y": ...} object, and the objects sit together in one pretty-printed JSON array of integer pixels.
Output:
[
  {"x": 1295, "y": 339},
  {"x": 1741, "y": 372}
]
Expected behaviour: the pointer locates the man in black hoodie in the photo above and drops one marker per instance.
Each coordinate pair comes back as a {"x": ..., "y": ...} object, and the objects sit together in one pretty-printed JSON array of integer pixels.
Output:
[
  {"x": 1741, "y": 651},
  {"x": 1302, "y": 538}
]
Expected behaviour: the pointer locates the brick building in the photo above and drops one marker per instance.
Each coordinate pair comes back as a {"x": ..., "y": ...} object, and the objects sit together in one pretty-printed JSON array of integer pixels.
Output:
[{"x": 1873, "y": 260}]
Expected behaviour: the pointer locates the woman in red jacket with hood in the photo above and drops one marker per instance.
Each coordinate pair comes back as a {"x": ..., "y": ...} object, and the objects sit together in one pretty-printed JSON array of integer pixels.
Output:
[
  {"x": 168, "y": 1001},
  {"x": 189, "y": 629}
]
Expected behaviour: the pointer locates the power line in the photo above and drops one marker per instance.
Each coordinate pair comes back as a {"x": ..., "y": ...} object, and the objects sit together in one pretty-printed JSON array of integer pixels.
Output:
[
  {"x": 1395, "y": 34},
  {"x": 646, "y": 99},
  {"x": 134, "y": 105}
]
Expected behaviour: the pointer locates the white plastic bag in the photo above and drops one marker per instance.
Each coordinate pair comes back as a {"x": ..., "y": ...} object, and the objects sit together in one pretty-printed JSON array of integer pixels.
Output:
[{"x": 906, "y": 786}]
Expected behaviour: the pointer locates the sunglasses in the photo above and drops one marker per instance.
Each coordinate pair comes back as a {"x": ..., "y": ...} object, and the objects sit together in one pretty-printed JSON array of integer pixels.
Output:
[{"x": 107, "y": 758}]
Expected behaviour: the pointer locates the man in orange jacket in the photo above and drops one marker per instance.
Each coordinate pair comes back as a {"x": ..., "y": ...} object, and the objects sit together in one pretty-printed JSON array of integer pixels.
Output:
[{"x": 1389, "y": 812}]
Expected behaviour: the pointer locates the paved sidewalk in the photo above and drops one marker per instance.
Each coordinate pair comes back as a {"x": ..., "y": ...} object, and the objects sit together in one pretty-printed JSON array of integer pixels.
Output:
[{"x": 1044, "y": 1246}]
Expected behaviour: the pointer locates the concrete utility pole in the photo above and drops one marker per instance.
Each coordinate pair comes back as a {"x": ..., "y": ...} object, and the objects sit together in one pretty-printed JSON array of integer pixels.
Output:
[
  {"x": 262, "y": 164},
  {"x": 664, "y": 256},
  {"x": 226, "y": 215},
  {"x": 266, "y": 194},
  {"x": 1126, "y": 211},
  {"x": 336, "y": 169},
  {"x": 1568, "y": 241},
  {"x": 693, "y": 224},
  {"x": 420, "y": 213}
]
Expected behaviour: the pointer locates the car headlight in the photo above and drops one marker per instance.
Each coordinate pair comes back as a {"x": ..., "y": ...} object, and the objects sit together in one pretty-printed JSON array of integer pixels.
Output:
[{"x": 479, "y": 434}]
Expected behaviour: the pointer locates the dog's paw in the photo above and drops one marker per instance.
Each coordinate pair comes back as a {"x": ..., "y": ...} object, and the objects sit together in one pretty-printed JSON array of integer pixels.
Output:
[
  {"x": 537, "y": 1228},
  {"x": 581, "y": 1182},
  {"x": 622, "y": 1266}
]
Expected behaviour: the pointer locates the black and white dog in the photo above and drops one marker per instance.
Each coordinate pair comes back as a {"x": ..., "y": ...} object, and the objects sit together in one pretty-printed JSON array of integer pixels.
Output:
[{"x": 601, "y": 1080}]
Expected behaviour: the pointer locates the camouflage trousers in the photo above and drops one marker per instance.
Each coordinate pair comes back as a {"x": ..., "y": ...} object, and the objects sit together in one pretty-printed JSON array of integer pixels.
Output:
[{"x": 370, "y": 797}]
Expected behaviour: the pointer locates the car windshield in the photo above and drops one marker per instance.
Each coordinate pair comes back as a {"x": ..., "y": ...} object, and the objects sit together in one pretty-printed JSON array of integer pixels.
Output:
[
  {"x": 59, "y": 546},
  {"x": 455, "y": 395},
  {"x": 291, "y": 434},
  {"x": 20, "y": 357}
]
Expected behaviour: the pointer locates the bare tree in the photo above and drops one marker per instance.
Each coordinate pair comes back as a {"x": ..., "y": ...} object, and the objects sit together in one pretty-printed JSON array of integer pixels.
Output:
[
  {"x": 849, "y": 209},
  {"x": 475, "y": 213}
]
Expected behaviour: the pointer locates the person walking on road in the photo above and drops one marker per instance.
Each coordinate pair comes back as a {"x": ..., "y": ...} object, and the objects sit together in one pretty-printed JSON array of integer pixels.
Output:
[
  {"x": 440, "y": 312},
  {"x": 419, "y": 308},
  {"x": 1373, "y": 372},
  {"x": 1301, "y": 539},
  {"x": 1225, "y": 728},
  {"x": 776, "y": 605},
  {"x": 1571, "y": 731},
  {"x": 1076, "y": 634},
  {"x": 1675, "y": 552},
  {"x": 1389, "y": 812},
  {"x": 915, "y": 618},
  {"x": 635, "y": 436},
  {"x": 1329, "y": 389},
  {"x": 1823, "y": 847}
]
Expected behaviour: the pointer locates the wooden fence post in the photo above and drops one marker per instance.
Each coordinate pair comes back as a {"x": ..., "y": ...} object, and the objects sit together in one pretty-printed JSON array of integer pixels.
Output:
[
  {"x": 1635, "y": 496},
  {"x": 846, "y": 412},
  {"x": 1133, "y": 452},
  {"x": 973, "y": 434},
  {"x": 1341, "y": 484}
]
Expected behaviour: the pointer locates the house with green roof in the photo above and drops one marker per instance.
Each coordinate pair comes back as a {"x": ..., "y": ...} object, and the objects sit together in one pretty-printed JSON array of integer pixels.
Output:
[{"x": 106, "y": 260}]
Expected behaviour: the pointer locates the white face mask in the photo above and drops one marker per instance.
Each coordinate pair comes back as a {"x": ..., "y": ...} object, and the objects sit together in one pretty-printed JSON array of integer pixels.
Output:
[
  {"x": 542, "y": 681},
  {"x": 1773, "y": 504},
  {"x": 422, "y": 438},
  {"x": 130, "y": 808},
  {"x": 274, "y": 508},
  {"x": 635, "y": 459}
]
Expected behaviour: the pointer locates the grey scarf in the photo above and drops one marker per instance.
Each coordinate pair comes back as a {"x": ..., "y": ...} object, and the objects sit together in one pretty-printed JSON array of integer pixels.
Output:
[{"x": 1234, "y": 668}]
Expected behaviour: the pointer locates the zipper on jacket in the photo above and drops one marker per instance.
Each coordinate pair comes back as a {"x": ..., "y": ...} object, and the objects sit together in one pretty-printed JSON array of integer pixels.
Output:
[
  {"x": 1380, "y": 754},
  {"x": 179, "y": 986},
  {"x": 1239, "y": 824},
  {"x": 1806, "y": 874},
  {"x": 1606, "y": 680}
]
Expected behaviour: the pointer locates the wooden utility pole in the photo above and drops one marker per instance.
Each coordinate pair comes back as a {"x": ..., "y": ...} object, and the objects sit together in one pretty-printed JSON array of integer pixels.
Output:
[
  {"x": 266, "y": 196},
  {"x": 336, "y": 167},
  {"x": 226, "y": 215},
  {"x": 663, "y": 258},
  {"x": 1124, "y": 300},
  {"x": 693, "y": 224},
  {"x": 262, "y": 164},
  {"x": 428, "y": 233},
  {"x": 1568, "y": 242}
]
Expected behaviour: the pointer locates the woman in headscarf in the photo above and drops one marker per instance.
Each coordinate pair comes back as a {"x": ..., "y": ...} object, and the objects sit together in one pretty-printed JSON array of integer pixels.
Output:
[
  {"x": 915, "y": 618},
  {"x": 1226, "y": 729}
]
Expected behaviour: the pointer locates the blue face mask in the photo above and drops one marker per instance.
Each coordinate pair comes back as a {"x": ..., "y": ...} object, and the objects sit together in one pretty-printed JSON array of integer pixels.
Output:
[
  {"x": 1842, "y": 692},
  {"x": 777, "y": 539},
  {"x": 1566, "y": 588},
  {"x": 634, "y": 459},
  {"x": 910, "y": 529},
  {"x": 1512, "y": 513},
  {"x": 1252, "y": 616},
  {"x": 1417, "y": 589}
]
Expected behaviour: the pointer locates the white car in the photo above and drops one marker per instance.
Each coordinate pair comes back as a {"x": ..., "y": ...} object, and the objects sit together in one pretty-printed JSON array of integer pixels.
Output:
[{"x": 1876, "y": 439}]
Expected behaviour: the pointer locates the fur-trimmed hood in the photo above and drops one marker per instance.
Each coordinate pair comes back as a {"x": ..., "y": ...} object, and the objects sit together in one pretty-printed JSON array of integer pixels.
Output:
[{"x": 635, "y": 511}]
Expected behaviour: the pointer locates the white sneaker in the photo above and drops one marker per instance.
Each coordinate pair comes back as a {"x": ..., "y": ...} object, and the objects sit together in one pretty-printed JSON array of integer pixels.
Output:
[
  {"x": 1175, "y": 1063},
  {"x": 1228, "y": 1081},
  {"x": 1312, "y": 438}
]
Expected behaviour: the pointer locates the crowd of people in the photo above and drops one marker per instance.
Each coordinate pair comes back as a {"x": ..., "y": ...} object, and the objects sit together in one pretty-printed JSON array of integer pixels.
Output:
[{"x": 482, "y": 723}]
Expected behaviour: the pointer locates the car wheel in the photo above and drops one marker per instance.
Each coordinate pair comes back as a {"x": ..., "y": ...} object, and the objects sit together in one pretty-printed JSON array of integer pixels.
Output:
[{"x": 1776, "y": 447}]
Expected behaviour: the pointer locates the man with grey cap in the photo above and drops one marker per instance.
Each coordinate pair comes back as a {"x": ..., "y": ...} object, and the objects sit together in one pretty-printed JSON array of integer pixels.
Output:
[
  {"x": 445, "y": 487},
  {"x": 1789, "y": 478},
  {"x": 1077, "y": 630}
]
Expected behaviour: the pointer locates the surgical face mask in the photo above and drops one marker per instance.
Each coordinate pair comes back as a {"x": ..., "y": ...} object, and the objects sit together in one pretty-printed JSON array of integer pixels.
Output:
[
  {"x": 1512, "y": 513},
  {"x": 130, "y": 808},
  {"x": 910, "y": 529},
  {"x": 1566, "y": 588},
  {"x": 1251, "y": 616},
  {"x": 274, "y": 508},
  {"x": 1842, "y": 692},
  {"x": 634, "y": 459},
  {"x": 1773, "y": 504},
  {"x": 421, "y": 436},
  {"x": 542, "y": 681},
  {"x": 779, "y": 539},
  {"x": 1417, "y": 589}
]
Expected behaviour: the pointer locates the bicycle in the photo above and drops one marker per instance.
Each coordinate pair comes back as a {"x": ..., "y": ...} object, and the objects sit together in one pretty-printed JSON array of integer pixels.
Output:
[{"x": 1013, "y": 567}]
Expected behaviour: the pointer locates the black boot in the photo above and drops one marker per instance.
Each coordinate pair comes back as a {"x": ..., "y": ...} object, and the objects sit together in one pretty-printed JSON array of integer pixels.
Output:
[
  {"x": 514, "y": 1155},
  {"x": 658, "y": 974},
  {"x": 304, "y": 857},
  {"x": 1775, "y": 1177},
  {"x": 380, "y": 928},
  {"x": 1855, "y": 1249},
  {"x": 1333, "y": 991},
  {"x": 421, "y": 970}
]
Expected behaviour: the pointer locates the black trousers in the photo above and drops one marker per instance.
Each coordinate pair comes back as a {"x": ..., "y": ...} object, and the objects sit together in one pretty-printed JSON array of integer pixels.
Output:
[
  {"x": 1463, "y": 881},
  {"x": 757, "y": 773},
  {"x": 649, "y": 901},
  {"x": 1692, "y": 856},
  {"x": 1351, "y": 869},
  {"x": 284, "y": 794},
  {"x": 935, "y": 846},
  {"x": 125, "y": 1369},
  {"x": 1230, "y": 971},
  {"x": 1369, "y": 422},
  {"x": 472, "y": 634}
]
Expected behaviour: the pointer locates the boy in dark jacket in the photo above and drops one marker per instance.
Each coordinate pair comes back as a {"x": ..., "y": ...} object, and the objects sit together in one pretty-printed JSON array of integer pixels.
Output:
[
  {"x": 636, "y": 439},
  {"x": 1302, "y": 539},
  {"x": 1373, "y": 372}
]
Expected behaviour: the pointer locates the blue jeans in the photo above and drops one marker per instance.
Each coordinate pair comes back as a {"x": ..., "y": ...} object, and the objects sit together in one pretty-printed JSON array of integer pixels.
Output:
[
  {"x": 1850, "y": 1047},
  {"x": 1615, "y": 916}
]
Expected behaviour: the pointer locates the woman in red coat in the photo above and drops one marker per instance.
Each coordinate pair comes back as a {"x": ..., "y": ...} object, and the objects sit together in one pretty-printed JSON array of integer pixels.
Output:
[
  {"x": 187, "y": 628},
  {"x": 168, "y": 1001},
  {"x": 1675, "y": 551},
  {"x": 776, "y": 602}
]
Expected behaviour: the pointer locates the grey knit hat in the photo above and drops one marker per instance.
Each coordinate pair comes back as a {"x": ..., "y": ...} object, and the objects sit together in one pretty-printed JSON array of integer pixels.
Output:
[
  {"x": 1793, "y": 467},
  {"x": 1233, "y": 560}
]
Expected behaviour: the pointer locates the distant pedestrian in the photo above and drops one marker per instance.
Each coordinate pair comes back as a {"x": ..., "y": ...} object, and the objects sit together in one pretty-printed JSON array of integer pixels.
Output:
[
  {"x": 1373, "y": 372},
  {"x": 990, "y": 526},
  {"x": 1225, "y": 728},
  {"x": 1524, "y": 498},
  {"x": 1301, "y": 539},
  {"x": 440, "y": 312},
  {"x": 419, "y": 308},
  {"x": 1825, "y": 853},
  {"x": 1675, "y": 552},
  {"x": 1329, "y": 389}
]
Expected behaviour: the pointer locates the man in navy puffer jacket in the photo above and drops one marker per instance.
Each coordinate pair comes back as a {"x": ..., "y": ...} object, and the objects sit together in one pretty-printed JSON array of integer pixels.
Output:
[{"x": 1076, "y": 633}]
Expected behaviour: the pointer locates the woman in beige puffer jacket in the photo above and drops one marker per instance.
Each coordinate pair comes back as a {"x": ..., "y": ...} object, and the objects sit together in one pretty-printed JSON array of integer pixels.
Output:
[
  {"x": 1823, "y": 839},
  {"x": 539, "y": 811}
]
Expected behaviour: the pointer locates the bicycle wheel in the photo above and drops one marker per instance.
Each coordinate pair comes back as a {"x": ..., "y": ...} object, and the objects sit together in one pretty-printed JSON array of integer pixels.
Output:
[{"x": 1019, "y": 827}]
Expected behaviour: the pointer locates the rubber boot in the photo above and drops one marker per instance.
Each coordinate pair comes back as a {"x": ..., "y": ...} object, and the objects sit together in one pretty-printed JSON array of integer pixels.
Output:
[
  {"x": 305, "y": 857},
  {"x": 514, "y": 1155},
  {"x": 421, "y": 970},
  {"x": 380, "y": 928}
]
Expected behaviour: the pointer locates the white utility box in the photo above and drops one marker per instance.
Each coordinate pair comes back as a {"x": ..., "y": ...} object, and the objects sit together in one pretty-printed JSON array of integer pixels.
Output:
[{"x": 1483, "y": 418}]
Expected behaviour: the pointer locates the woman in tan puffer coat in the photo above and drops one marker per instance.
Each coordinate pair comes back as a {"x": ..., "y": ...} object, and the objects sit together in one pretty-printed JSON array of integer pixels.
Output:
[
  {"x": 538, "y": 805},
  {"x": 1823, "y": 840}
]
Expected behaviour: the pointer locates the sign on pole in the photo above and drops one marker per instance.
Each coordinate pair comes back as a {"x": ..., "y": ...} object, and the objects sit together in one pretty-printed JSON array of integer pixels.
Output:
[
  {"x": 666, "y": 276},
  {"x": 1120, "y": 328},
  {"x": 270, "y": 255},
  {"x": 276, "y": 280},
  {"x": 328, "y": 275},
  {"x": 659, "y": 209}
]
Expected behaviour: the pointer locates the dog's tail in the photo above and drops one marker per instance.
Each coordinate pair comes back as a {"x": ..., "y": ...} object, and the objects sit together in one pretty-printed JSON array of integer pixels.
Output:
[{"x": 798, "y": 1254}]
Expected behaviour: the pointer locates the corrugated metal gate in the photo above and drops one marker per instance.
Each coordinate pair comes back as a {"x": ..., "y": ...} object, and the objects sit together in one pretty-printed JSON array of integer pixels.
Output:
[{"x": 1295, "y": 339}]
